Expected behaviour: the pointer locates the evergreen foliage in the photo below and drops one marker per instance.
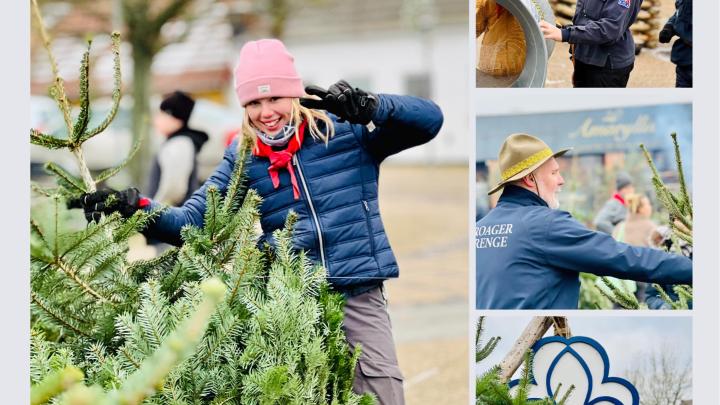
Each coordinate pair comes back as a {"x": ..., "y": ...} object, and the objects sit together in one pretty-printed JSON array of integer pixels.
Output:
[
  {"x": 679, "y": 206},
  {"x": 490, "y": 389},
  {"x": 218, "y": 320}
]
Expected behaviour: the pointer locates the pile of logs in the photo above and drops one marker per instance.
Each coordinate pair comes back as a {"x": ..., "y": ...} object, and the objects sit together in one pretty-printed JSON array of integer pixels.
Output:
[{"x": 644, "y": 31}]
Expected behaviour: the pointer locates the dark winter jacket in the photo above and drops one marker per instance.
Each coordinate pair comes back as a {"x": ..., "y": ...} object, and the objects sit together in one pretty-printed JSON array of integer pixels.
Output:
[
  {"x": 681, "y": 22},
  {"x": 601, "y": 32},
  {"x": 611, "y": 214},
  {"x": 528, "y": 256},
  {"x": 339, "y": 221},
  {"x": 198, "y": 139}
]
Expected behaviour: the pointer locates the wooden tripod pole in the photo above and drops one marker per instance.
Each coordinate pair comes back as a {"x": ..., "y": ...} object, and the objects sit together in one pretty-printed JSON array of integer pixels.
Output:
[{"x": 532, "y": 333}]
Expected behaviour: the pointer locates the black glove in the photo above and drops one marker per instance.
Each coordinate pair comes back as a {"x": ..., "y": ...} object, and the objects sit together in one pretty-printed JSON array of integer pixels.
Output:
[
  {"x": 354, "y": 105},
  {"x": 95, "y": 204},
  {"x": 666, "y": 34}
]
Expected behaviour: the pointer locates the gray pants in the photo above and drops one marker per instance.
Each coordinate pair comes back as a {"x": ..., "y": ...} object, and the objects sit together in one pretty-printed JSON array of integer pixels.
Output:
[{"x": 367, "y": 323}]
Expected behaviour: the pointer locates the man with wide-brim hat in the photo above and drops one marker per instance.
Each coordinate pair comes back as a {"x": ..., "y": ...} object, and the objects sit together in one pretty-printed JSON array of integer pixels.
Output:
[{"x": 529, "y": 253}]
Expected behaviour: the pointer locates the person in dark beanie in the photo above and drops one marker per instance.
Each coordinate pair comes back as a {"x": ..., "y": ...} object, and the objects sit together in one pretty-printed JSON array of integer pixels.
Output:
[
  {"x": 615, "y": 209},
  {"x": 680, "y": 24},
  {"x": 173, "y": 176}
]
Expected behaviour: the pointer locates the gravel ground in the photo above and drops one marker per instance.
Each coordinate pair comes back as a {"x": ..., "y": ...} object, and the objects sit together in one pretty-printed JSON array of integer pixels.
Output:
[{"x": 425, "y": 214}]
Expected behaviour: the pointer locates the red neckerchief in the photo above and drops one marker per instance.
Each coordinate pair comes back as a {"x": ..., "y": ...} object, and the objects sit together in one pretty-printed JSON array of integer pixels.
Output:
[
  {"x": 619, "y": 198},
  {"x": 282, "y": 159}
]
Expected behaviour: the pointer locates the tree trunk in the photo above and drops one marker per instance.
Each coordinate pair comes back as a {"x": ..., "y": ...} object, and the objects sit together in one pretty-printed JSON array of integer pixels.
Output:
[{"x": 142, "y": 82}]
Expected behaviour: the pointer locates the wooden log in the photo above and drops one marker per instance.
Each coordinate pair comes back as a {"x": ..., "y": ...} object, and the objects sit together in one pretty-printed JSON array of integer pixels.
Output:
[
  {"x": 532, "y": 333},
  {"x": 640, "y": 26},
  {"x": 563, "y": 21},
  {"x": 564, "y": 11}
]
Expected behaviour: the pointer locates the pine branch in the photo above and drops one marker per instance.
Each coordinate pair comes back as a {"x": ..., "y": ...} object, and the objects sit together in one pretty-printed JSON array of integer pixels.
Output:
[
  {"x": 57, "y": 318},
  {"x": 70, "y": 272},
  {"x": 483, "y": 352},
  {"x": 47, "y": 141},
  {"x": 212, "y": 222},
  {"x": 65, "y": 179},
  {"x": 567, "y": 395},
  {"x": 84, "y": 115},
  {"x": 91, "y": 232},
  {"x": 237, "y": 188},
  {"x": 158, "y": 266},
  {"x": 54, "y": 384},
  {"x": 684, "y": 195},
  {"x": 665, "y": 297},
  {"x": 35, "y": 187},
  {"x": 620, "y": 297},
  {"x": 175, "y": 348},
  {"x": 57, "y": 90},
  {"x": 117, "y": 84}
]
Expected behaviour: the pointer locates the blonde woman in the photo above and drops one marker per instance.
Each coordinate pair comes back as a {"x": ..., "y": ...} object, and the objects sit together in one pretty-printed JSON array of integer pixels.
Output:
[{"x": 325, "y": 167}]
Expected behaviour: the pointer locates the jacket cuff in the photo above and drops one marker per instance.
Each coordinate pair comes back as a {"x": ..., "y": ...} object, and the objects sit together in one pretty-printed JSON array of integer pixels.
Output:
[
  {"x": 565, "y": 32},
  {"x": 382, "y": 112}
]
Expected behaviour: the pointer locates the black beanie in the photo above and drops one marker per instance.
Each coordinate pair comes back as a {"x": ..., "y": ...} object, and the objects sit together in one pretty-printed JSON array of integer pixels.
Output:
[{"x": 179, "y": 105}]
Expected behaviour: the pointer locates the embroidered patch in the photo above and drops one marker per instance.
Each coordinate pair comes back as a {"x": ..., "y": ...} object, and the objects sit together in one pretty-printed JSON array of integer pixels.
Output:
[
  {"x": 624, "y": 3},
  {"x": 264, "y": 89}
]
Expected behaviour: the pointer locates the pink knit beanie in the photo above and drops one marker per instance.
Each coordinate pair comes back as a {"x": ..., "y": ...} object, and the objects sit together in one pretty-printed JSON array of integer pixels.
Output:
[{"x": 265, "y": 69}]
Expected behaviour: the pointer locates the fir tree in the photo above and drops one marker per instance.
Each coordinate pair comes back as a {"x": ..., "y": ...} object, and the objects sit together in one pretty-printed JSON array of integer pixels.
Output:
[
  {"x": 267, "y": 329},
  {"x": 680, "y": 217}
]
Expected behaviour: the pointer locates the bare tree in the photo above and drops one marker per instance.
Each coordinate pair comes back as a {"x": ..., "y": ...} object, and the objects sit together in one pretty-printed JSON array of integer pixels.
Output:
[{"x": 661, "y": 377}]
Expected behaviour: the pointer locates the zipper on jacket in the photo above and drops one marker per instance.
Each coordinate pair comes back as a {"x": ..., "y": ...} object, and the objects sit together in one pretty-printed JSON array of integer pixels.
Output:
[
  {"x": 369, "y": 225},
  {"x": 312, "y": 211}
]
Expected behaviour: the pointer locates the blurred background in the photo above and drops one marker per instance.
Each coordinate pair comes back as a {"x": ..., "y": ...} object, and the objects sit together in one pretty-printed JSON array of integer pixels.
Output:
[
  {"x": 605, "y": 133},
  {"x": 414, "y": 47}
]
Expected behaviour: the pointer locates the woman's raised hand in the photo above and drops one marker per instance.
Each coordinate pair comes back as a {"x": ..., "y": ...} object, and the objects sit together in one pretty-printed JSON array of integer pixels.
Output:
[{"x": 354, "y": 105}]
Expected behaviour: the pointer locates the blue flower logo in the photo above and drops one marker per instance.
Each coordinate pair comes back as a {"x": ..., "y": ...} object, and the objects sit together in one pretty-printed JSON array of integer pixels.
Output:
[{"x": 578, "y": 361}]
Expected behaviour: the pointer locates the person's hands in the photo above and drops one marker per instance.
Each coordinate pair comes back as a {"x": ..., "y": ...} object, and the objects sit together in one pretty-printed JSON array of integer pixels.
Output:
[
  {"x": 550, "y": 31},
  {"x": 666, "y": 34},
  {"x": 107, "y": 201},
  {"x": 354, "y": 105}
]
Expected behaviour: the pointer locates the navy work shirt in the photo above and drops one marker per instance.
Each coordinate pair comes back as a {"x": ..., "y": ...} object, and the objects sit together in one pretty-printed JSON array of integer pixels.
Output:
[
  {"x": 601, "y": 32},
  {"x": 529, "y": 256}
]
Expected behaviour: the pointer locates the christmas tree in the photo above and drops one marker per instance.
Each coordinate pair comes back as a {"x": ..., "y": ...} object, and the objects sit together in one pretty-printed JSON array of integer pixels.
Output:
[{"x": 217, "y": 320}]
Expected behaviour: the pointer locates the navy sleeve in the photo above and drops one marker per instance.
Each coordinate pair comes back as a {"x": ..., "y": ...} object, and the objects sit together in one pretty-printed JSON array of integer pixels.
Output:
[
  {"x": 571, "y": 246},
  {"x": 604, "y": 30},
  {"x": 167, "y": 226},
  {"x": 401, "y": 122}
]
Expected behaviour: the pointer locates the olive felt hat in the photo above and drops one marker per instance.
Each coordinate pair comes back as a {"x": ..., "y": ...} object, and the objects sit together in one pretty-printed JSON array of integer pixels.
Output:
[{"x": 520, "y": 154}]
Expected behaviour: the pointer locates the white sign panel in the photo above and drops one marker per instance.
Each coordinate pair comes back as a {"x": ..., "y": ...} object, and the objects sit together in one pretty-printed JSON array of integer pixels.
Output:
[{"x": 578, "y": 361}]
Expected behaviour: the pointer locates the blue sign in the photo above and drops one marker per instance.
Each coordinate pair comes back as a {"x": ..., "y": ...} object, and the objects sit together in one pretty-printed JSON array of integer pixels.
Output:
[
  {"x": 592, "y": 131},
  {"x": 579, "y": 361}
]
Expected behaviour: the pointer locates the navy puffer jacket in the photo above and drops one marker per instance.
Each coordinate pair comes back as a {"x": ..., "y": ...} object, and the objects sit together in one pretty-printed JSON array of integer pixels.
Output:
[{"x": 339, "y": 221}]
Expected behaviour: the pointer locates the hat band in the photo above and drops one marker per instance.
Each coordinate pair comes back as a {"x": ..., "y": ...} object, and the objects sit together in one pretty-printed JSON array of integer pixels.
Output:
[{"x": 526, "y": 163}]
